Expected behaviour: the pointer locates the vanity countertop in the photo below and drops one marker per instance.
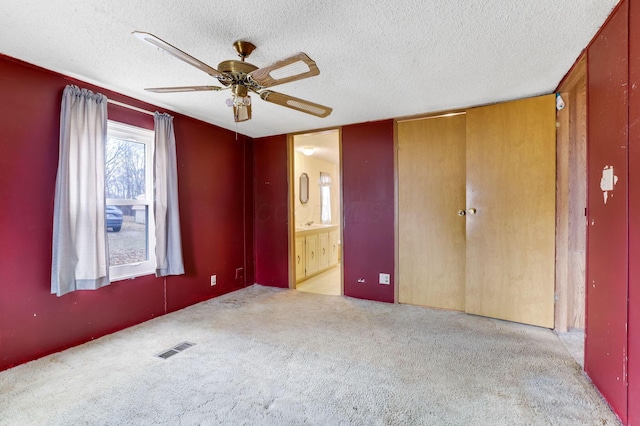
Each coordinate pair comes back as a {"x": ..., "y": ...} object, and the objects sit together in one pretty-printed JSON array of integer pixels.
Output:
[{"x": 314, "y": 228}]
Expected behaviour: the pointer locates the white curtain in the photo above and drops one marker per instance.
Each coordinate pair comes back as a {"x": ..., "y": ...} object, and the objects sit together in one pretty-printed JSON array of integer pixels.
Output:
[
  {"x": 165, "y": 181},
  {"x": 325, "y": 197},
  {"x": 80, "y": 256}
]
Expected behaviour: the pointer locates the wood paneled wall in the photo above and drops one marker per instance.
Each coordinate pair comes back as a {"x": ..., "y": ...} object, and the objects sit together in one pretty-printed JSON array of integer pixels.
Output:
[{"x": 571, "y": 194}]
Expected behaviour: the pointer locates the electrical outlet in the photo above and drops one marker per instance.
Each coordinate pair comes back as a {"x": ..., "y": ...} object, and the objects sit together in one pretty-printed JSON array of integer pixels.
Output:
[
  {"x": 385, "y": 279},
  {"x": 239, "y": 273},
  {"x": 213, "y": 280}
]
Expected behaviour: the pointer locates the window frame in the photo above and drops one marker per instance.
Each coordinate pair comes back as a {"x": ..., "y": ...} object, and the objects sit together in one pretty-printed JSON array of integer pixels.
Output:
[{"x": 127, "y": 132}]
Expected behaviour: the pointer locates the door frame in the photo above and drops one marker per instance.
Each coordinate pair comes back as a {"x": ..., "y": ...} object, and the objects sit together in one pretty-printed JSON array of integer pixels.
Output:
[
  {"x": 291, "y": 203},
  {"x": 571, "y": 200}
]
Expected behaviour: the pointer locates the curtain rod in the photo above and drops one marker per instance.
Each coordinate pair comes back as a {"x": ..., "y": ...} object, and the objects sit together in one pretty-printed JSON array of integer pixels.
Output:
[{"x": 144, "y": 111}]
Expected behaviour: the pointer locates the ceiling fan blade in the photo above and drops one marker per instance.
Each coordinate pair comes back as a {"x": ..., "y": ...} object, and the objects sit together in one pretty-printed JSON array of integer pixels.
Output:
[
  {"x": 177, "y": 53},
  {"x": 241, "y": 113},
  {"x": 291, "y": 69},
  {"x": 295, "y": 103},
  {"x": 182, "y": 89}
]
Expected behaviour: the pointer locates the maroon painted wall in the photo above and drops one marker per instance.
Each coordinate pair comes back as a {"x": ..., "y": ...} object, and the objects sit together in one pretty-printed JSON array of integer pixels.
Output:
[
  {"x": 211, "y": 177},
  {"x": 634, "y": 213},
  {"x": 607, "y": 252},
  {"x": 213, "y": 206},
  {"x": 369, "y": 209},
  {"x": 271, "y": 223},
  {"x": 249, "y": 213}
]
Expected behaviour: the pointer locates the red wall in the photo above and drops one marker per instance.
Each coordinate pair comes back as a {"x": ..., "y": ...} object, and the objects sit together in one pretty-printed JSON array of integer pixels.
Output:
[
  {"x": 249, "y": 213},
  {"x": 271, "y": 212},
  {"x": 213, "y": 205},
  {"x": 211, "y": 176},
  {"x": 607, "y": 250},
  {"x": 634, "y": 216},
  {"x": 369, "y": 209}
]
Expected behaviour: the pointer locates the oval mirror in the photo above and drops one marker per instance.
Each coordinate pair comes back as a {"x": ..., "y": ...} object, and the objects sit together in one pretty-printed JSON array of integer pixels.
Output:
[{"x": 304, "y": 188}]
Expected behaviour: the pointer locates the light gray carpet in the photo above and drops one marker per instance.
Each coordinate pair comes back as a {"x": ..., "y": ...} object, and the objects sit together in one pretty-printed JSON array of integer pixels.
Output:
[
  {"x": 267, "y": 356},
  {"x": 573, "y": 341}
]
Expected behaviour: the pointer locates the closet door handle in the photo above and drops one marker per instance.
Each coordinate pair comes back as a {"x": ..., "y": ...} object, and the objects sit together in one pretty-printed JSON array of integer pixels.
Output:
[
  {"x": 461, "y": 212},
  {"x": 472, "y": 210}
]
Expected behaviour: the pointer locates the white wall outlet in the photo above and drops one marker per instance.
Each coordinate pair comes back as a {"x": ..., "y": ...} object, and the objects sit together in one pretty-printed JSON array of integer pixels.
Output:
[
  {"x": 213, "y": 280},
  {"x": 385, "y": 279}
]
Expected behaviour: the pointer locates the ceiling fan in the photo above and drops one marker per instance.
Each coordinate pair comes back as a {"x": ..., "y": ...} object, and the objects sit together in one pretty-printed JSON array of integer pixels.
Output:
[{"x": 242, "y": 77}]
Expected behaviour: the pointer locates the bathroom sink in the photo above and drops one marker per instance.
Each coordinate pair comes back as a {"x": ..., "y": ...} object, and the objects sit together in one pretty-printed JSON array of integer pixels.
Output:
[
  {"x": 313, "y": 226},
  {"x": 316, "y": 226}
]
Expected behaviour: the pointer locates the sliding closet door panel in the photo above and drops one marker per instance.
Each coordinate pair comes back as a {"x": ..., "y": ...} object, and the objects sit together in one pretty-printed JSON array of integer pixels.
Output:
[
  {"x": 431, "y": 191},
  {"x": 511, "y": 186}
]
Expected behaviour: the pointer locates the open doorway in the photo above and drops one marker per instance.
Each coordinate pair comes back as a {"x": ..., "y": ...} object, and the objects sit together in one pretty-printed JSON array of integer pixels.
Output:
[{"x": 316, "y": 210}]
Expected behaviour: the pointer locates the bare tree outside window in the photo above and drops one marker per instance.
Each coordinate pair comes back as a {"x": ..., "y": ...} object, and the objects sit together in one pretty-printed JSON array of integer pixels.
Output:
[{"x": 125, "y": 170}]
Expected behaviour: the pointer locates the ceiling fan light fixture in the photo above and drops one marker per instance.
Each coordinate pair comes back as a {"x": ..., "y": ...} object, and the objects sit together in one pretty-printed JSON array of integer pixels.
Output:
[
  {"x": 241, "y": 113},
  {"x": 237, "y": 101},
  {"x": 239, "y": 98}
]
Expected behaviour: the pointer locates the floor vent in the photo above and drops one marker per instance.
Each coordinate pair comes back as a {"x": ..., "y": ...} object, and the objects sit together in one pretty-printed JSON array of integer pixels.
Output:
[{"x": 175, "y": 350}]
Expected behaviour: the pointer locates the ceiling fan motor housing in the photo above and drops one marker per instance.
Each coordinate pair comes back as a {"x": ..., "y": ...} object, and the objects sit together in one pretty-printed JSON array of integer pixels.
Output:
[
  {"x": 233, "y": 67},
  {"x": 239, "y": 90},
  {"x": 235, "y": 74}
]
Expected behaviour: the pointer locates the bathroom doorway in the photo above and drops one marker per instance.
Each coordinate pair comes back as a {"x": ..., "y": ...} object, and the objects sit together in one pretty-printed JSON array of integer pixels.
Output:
[{"x": 316, "y": 212}]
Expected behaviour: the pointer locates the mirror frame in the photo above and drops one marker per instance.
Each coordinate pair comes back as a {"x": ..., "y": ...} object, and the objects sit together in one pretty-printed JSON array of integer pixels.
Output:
[{"x": 304, "y": 188}]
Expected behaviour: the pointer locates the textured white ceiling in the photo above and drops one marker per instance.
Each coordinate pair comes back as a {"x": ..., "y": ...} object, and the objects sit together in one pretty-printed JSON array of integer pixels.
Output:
[{"x": 377, "y": 60}]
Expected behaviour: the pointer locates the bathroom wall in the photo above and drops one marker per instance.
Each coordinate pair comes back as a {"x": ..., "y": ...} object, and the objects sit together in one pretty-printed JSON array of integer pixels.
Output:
[{"x": 311, "y": 210}]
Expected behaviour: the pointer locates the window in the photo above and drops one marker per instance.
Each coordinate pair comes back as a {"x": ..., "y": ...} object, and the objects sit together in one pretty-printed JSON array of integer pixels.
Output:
[
  {"x": 129, "y": 199},
  {"x": 325, "y": 197}
]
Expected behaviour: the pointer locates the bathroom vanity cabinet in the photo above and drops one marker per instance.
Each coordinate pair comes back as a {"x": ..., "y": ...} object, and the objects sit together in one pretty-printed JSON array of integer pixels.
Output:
[{"x": 317, "y": 250}]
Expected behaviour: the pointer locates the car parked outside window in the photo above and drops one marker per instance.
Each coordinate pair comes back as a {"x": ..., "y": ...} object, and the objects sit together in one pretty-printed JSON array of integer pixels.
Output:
[{"x": 114, "y": 218}]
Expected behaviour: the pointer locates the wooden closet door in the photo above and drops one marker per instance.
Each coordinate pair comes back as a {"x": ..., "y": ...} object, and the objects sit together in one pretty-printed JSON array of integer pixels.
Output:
[
  {"x": 431, "y": 190},
  {"x": 511, "y": 237}
]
